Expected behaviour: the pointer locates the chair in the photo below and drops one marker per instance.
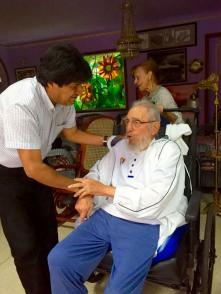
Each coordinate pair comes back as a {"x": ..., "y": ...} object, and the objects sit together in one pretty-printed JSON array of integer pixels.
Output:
[
  {"x": 63, "y": 162},
  {"x": 190, "y": 268},
  {"x": 89, "y": 154}
]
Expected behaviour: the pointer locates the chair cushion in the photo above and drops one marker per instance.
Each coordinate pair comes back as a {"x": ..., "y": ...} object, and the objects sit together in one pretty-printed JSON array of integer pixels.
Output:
[{"x": 169, "y": 247}]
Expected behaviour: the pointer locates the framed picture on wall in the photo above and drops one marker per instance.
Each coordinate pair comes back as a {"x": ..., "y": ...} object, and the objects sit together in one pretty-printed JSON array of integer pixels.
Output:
[
  {"x": 106, "y": 90},
  {"x": 4, "y": 81},
  {"x": 172, "y": 65},
  {"x": 25, "y": 72},
  {"x": 182, "y": 35}
]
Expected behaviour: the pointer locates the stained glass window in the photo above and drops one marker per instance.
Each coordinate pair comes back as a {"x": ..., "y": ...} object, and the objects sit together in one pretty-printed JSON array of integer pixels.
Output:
[{"x": 106, "y": 90}]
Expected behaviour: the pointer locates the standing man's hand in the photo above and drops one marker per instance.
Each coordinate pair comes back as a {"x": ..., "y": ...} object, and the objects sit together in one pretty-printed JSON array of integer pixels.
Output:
[
  {"x": 88, "y": 186},
  {"x": 113, "y": 140}
]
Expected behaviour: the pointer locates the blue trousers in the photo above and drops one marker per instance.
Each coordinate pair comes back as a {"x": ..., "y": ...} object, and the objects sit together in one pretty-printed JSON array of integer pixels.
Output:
[{"x": 133, "y": 246}]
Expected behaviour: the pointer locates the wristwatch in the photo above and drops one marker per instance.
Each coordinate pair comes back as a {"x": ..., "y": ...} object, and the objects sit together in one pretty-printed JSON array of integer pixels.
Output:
[{"x": 105, "y": 141}]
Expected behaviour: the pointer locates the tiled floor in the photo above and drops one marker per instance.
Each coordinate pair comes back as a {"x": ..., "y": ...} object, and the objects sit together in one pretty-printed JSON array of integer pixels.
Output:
[{"x": 10, "y": 284}]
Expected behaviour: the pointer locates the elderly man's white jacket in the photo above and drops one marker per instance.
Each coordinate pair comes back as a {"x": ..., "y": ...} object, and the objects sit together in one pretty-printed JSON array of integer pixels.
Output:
[{"x": 149, "y": 184}]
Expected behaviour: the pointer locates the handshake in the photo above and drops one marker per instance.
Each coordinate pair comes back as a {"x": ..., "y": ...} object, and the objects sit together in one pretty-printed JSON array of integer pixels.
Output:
[
  {"x": 82, "y": 187},
  {"x": 84, "y": 204},
  {"x": 85, "y": 189}
]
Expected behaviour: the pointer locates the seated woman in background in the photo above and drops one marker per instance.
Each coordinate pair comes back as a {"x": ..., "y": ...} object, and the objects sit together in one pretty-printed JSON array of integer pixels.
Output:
[{"x": 146, "y": 78}]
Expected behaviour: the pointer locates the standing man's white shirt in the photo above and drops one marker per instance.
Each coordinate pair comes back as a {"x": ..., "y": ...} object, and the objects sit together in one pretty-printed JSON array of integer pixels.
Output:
[{"x": 40, "y": 121}]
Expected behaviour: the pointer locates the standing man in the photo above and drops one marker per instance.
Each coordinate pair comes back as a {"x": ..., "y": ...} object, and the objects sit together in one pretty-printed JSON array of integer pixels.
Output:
[{"x": 33, "y": 112}]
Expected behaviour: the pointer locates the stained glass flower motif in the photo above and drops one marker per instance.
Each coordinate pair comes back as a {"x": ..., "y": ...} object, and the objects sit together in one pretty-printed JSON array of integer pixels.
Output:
[
  {"x": 105, "y": 90},
  {"x": 86, "y": 94},
  {"x": 108, "y": 67}
]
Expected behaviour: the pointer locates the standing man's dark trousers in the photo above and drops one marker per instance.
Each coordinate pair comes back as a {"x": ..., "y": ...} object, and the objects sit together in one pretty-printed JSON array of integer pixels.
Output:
[{"x": 28, "y": 219}]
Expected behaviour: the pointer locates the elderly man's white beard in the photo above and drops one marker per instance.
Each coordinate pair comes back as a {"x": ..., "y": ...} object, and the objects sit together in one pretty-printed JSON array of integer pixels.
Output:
[{"x": 140, "y": 145}]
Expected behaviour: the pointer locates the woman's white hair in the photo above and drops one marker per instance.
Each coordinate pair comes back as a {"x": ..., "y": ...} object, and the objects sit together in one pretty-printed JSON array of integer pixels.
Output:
[{"x": 152, "y": 111}]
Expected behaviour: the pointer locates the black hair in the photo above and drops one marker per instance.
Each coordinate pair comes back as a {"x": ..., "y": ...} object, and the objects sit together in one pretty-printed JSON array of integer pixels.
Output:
[{"x": 63, "y": 64}]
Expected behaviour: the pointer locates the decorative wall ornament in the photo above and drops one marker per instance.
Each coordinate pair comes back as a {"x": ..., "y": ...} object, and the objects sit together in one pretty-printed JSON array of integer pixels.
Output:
[{"x": 196, "y": 66}]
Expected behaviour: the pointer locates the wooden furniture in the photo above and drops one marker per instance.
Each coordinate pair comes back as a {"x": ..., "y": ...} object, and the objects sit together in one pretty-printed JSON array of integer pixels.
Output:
[
  {"x": 63, "y": 161},
  {"x": 89, "y": 154}
]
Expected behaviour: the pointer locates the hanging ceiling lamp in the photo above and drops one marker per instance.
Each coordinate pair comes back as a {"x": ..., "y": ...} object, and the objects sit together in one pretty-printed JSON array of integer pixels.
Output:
[{"x": 129, "y": 42}]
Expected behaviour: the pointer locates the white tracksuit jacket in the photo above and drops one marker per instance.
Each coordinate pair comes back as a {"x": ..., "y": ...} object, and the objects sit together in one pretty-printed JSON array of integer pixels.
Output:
[{"x": 149, "y": 184}]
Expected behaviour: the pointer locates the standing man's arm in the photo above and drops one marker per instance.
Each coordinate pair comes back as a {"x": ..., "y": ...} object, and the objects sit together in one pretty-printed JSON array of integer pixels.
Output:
[
  {"x": 36, "y": 169},
  {"x": 77, "y": 136}
]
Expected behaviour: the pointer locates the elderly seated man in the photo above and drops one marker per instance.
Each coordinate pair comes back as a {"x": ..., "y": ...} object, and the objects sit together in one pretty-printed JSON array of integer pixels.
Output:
[{"x": 141, "y": 185}]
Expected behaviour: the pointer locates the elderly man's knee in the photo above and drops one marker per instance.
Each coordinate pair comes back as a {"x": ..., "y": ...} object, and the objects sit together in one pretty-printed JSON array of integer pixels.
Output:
[{"x": 57, "y": 257}]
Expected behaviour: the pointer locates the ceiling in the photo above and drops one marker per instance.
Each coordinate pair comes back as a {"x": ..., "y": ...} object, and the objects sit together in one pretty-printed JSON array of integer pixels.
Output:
[{"x": 23, "y": 21}]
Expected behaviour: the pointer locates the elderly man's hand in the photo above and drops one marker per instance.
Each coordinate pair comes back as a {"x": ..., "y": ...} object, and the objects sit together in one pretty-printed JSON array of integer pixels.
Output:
[
  {"x": 84, "y": 207},
  {"x": 91, "y": 187}
]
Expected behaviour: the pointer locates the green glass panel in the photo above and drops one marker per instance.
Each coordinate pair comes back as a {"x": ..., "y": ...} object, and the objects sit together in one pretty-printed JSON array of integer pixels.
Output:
[{"x": 106, "y": 89}]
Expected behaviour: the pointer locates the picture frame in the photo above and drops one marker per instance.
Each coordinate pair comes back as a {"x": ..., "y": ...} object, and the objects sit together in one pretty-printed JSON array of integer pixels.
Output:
[
  {"x": 106, "y": 91},
  {"x": 4, "y": 80},
  {"x": 25, "y": 72},
  {"x": 182, "y": 35},
  {"x": 172, "y": 65}
]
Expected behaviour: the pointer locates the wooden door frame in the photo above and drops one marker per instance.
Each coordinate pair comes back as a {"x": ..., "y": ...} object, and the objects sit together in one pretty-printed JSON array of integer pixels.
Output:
[{"x": 208, "y": 37}]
